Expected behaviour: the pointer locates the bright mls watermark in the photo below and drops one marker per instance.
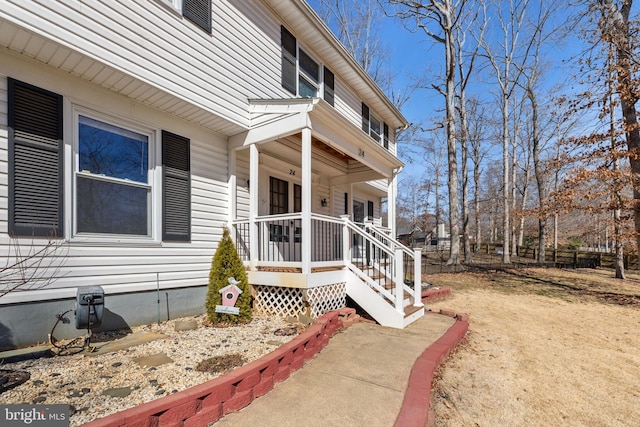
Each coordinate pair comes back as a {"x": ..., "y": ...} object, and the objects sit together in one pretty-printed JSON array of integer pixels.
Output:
[{"x": 34, "y": 415}]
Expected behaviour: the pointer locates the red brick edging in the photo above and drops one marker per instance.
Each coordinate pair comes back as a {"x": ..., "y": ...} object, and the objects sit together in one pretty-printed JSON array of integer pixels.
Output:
[
  {"x": 210, "y": 401},
  {"x": 415, "y": 409},
  {"x": 432, "y": 295}
]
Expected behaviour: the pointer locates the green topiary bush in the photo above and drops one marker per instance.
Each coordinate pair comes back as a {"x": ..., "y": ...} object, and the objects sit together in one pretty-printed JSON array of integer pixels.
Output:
[{"x": 226, "y": 263}]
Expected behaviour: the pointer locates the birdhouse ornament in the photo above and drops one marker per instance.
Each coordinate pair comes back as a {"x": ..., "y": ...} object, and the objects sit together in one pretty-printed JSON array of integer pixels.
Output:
[{"x": 230, "y": 294}]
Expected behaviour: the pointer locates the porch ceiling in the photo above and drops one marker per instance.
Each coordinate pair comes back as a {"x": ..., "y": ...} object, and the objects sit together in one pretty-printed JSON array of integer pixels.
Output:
[{"x": 88, "y": 66}]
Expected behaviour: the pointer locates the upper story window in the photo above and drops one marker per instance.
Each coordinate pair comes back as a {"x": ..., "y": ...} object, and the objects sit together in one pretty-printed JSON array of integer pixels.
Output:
[
  {"x": 301, "y": 73},
  {"x": 309, "y": 79},
  {"x": 374, "y": 127}
]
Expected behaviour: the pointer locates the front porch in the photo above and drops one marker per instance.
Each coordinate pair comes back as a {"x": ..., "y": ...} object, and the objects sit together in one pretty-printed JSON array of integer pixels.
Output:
[
  {"x": 359, "y": 260},
  {"x": 307, "y": 187}
]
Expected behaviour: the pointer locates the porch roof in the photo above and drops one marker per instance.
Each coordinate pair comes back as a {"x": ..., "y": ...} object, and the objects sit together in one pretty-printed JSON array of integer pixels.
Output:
[{"x": 272, "y": 119}]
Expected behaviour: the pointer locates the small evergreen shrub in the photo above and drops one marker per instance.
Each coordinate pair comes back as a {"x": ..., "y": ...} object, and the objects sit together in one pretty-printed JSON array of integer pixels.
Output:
[{"x": 226, "y": 263}]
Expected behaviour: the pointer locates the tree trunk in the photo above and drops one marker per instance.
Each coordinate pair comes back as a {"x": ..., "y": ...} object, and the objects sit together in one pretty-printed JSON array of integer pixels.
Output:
[
  {"x": 506, "y": 228},
  {"x": 454, "y": 227},
  {"x": 465, "y": 177},
  {"x": 476, "y": 204}
]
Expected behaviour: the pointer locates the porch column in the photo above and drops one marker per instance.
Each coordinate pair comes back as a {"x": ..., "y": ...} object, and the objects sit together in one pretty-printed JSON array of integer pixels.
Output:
[
  {"x": 233, "y": 190},
  {"x": 306, "y": 201},
  {"x": 392, "y": 190},
  {"x": 254, "y": 199}
]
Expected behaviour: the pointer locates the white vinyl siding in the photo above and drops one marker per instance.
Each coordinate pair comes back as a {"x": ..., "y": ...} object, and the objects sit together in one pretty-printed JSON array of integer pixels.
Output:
[
  {"x": 124, "y": 266},
  {"x": 166, "y": 51},
  {"x": 216, "y": 73}
]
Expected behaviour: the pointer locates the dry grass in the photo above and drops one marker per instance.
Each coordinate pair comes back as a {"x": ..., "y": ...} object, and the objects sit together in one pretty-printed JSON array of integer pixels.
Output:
[{"x": 546, "y": 347}]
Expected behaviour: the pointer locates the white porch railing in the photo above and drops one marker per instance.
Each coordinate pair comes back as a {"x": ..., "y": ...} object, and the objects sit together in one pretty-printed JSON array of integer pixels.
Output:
[{"x": 368, "y": 251}]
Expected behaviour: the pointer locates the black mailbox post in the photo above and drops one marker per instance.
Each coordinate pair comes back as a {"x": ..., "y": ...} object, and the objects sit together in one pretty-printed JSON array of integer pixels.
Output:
[{"x": 89, "y": 307}]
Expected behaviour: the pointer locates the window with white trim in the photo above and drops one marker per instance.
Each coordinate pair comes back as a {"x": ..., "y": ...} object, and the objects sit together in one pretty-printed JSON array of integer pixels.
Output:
[
  {"x": 302, "y": 75},
  {"x": 113, "y": 178},
  {"x": 374, "y": 127}
]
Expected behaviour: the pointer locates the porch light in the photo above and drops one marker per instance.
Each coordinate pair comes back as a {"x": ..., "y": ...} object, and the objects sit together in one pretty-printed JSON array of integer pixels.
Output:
[{"x": 323, "y": 202}]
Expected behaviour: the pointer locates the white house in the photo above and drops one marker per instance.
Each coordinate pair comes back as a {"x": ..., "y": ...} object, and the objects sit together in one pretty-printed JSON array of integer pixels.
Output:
[{"x": 132, "y": 132}]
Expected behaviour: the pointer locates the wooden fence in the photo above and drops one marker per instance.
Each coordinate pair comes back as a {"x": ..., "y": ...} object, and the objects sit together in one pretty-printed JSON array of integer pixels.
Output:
[
  {"x": 489, "y": 256},
  {"x": 568, "y": 258}
]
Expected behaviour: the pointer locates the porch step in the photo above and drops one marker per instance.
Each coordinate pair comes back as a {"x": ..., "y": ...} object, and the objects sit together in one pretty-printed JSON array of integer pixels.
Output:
[{"x": 410, "y": 309}]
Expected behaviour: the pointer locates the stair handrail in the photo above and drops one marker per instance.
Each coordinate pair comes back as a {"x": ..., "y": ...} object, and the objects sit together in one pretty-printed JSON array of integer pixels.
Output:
[
  {"x": 394, "y": 242},
  {"x": 353, "y": 226}
]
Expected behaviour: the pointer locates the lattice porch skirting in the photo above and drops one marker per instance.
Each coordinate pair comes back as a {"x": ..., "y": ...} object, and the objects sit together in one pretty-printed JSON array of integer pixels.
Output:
[{"x": 313, "y": 302}]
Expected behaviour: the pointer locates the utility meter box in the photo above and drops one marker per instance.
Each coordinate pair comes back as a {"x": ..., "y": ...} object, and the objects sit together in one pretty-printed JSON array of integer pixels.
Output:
[{"x": 89, "y": 307}]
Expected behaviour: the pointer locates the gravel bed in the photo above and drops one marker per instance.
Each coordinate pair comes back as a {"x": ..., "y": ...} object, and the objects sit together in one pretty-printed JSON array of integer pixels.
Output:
[{"x": 80, "y": 380}]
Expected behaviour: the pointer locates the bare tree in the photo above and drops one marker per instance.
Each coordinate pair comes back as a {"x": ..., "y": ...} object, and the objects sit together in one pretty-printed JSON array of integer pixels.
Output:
[
  {"x": 33, "y": 267},
  {"x": 437, "y": 20},
  {"x": 357, "y": 27},
  {"x": 465, "y": 65},
  {"x": 477, "y": 119},
  {"x": 502, "y": 56}
]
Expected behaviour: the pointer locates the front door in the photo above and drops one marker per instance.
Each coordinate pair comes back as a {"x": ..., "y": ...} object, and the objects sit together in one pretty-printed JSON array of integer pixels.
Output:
[{"x": 284, "y": 234}]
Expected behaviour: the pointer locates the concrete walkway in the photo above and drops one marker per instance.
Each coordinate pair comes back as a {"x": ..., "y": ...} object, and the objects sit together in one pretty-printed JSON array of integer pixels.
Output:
[{"x": 359, "y": 379}]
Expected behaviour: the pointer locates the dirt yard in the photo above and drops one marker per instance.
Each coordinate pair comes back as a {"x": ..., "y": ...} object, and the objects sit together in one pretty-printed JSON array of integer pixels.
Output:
[{"x": 544, "y": 348}]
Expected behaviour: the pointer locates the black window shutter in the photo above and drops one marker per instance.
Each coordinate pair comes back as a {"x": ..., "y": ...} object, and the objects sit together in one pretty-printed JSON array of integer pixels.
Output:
[
  {"x": 329, "y": 86},
  {"x": 289, "y": 55},
  {"x": 198, "y": 12},
  {"x": 370, "y": 209},
  {"x": 35, "y": 161},
  {"x": 365, "y": 118},
  {"x": 385, "y": 138},
  {"x": 176, "y": 188}
]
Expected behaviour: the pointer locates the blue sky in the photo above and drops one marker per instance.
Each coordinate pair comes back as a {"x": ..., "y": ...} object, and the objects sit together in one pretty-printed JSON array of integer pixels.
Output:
[{"x": 416, "y": 54}]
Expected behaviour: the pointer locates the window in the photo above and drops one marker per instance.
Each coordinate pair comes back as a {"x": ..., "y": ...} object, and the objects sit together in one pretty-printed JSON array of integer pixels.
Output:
[
  {"x": 279, "y": 196},
  {"x": 374, "y": 127},
  {"x": 301, "y": 73},
  {"x": 35, "y": 161},
  {"x": 309, "y": 76},
  {"x": 113, "y": 186},
  {"x": 278, "y": 204}
]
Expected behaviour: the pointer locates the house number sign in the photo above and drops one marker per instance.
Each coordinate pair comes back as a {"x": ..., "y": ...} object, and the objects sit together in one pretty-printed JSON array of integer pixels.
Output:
[{"x": 361, "y": 152}]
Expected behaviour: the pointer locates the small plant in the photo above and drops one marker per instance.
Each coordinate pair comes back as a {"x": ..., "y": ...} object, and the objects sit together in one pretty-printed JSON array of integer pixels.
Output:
[
  {"x": 221, "y": 364},
  {"x": 226, "y": 263}
]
